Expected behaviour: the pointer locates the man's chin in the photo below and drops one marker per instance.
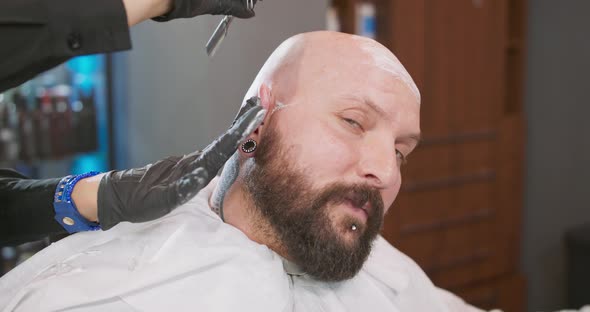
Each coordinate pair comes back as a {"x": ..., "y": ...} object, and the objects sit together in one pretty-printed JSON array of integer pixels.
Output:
[
  {"x": 337, "y": 259},
  {"x": 349, "y": 239}
]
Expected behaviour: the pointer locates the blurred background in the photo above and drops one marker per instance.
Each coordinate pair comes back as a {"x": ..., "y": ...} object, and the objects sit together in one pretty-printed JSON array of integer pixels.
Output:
[{"x": 495, "y": 202}]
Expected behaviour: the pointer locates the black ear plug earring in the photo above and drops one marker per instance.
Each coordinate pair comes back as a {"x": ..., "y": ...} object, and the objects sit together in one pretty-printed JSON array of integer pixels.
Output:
[{"x": 249, "y": 146}]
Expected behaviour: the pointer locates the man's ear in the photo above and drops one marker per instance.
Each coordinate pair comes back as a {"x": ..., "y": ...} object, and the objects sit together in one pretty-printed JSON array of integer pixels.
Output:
[
  {"x": 267, "y": 99},
  {"x": 268, "y": 102}
]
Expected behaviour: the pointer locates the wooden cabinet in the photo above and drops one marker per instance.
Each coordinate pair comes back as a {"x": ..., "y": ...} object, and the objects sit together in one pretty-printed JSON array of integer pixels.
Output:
[{"x": 459, "y": 212}]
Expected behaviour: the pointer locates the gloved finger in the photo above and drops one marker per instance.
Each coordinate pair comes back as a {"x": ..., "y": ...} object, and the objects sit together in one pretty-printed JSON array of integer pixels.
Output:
[
  {"x": 187, "y": 163},
  {"x": 189, "y": 185},
  {"x": 218, "y": 152},
  {"x": 250, "y": 103},
  {"x": 238, "y": 8},
  {"x": 204, "y": 168}
]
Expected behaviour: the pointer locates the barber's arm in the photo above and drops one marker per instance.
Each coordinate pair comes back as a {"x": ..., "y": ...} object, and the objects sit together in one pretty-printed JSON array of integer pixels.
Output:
[
  {"x": 32, "y": 209},
  {"x": 37, "y": 35},
  {"x": 26, "y": 208}
]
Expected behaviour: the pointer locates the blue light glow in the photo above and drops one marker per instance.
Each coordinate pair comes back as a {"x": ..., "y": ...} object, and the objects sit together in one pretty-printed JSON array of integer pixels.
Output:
[{"x": 89, "y": 76}]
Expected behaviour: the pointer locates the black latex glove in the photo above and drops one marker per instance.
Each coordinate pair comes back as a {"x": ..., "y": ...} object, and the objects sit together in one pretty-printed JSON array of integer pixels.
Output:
[
  {"x": 145, "y": 194},
  {"x": 192, "y": 8}
]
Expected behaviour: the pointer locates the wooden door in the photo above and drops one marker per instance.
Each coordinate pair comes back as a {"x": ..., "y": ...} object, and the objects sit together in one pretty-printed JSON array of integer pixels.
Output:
[{"x": 459, "y": 212}]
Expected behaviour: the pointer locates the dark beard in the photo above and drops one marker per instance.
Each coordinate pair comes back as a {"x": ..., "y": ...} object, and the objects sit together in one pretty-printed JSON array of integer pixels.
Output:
[{"x": 300, "y": 217}]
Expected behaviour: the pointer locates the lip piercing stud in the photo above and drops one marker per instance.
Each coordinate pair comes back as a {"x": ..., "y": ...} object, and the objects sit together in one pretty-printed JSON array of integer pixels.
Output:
[{"x": 353, "y": 227}]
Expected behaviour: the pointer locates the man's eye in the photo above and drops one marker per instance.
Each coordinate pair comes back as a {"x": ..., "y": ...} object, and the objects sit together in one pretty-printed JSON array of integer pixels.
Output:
[
  {"x": 401, "y": 159},
  {"x": 353, "y": 123}
]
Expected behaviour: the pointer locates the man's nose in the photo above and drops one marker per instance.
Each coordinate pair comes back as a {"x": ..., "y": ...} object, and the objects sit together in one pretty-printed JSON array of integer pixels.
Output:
[{"x": 378, "y": 165}]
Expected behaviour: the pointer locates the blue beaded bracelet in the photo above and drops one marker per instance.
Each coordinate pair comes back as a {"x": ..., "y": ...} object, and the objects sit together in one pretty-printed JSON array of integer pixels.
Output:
[{"x": 66, "y": 213}]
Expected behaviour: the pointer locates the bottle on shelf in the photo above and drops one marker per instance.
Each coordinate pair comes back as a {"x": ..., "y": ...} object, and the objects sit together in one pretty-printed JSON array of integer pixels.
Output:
[
  {"x": 333, "y": 17},
  {"x": 41, "y": 123},
  {"x": 84, "y": 122},
  {"x": 27, "y": 151},
  {"x": 60, "y": 121},
  {"x": 366, "y": 19},
  {"x": 9, "y": 143}
]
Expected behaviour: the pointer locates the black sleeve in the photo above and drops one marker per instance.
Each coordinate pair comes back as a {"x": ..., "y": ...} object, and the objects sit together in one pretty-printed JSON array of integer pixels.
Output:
[
  {"x": 36, "y": 35},
  {"x": 26, "y": 208}
]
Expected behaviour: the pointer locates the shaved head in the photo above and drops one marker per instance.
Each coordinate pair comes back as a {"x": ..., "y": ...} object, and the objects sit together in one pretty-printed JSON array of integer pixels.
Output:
[{"x": 320, "y": 54}]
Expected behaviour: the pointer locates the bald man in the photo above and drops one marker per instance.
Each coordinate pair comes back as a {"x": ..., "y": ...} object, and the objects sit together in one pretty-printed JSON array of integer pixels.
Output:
[{"x": 293, "y": 222}]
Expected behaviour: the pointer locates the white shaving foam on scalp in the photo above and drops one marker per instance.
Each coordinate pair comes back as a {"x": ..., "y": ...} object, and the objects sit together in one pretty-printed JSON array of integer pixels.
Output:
[{"x": 384, "y": 59}]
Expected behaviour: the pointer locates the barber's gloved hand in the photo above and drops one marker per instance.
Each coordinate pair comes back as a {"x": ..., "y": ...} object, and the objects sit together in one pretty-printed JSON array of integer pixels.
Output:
[
  {"x": 192, "y": 8},
  {"x": 145, "y": 194}
]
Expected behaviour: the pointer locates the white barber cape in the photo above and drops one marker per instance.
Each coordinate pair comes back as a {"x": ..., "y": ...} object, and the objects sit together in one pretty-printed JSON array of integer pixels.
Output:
[{"x": 191, "y": 261}]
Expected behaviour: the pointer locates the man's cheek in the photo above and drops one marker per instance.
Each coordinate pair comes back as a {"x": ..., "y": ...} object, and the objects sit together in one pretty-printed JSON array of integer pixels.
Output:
[
  {"x": 389, "y": 198},
  {"x": 330, "y": 149}
]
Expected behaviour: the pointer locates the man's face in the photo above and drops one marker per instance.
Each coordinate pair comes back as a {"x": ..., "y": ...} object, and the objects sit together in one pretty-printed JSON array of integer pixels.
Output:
[
  {"x": 304, "y": 218},
  {"x": 328, "y": 166}
]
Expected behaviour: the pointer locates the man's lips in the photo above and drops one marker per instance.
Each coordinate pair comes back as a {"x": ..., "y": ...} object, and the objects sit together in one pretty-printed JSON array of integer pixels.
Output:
[
  {"x": 367, "y": 208},
  {"x": 362, "y": 212},
  {"x": 359, "y": 202}
]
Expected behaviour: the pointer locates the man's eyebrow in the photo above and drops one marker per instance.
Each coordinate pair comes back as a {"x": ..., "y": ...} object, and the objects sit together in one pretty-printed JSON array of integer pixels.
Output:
[{"x": 368, "y": 103}]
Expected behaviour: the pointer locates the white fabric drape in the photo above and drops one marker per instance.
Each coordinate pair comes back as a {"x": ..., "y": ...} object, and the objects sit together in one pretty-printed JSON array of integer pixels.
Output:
[{"x": 191, "y": 261}]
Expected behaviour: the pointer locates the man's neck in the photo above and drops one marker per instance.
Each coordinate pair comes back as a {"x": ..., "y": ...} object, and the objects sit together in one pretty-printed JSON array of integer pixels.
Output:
[{"x": 240, "y": 212}]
